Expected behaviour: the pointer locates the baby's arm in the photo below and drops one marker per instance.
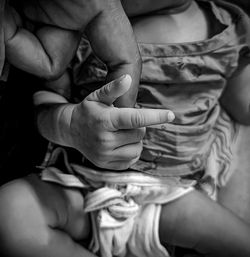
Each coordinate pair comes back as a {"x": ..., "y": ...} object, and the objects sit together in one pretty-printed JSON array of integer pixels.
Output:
[
  {"x": 87, "y": 126},
  {"x": 236, "y": 97},
  {"x": 108, "y": 136},
  {"x": 50, "y": 106},
  {"x": 45, "y": 54}
]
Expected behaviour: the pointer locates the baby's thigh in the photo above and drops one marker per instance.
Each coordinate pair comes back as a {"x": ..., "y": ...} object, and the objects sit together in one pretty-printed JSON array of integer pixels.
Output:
[
  {"x": 195, "y": 221},
  {"x": 29, "y": 205}
]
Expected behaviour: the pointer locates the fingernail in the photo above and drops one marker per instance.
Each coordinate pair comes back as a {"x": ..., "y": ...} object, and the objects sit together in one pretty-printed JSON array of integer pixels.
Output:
[
  {"x": 122, "y": 77},
  {"x": 171, "y": 116}
]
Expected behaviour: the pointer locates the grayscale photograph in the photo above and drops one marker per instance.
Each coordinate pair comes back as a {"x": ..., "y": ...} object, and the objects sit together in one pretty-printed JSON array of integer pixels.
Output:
[{"x": 124, "y": 128}]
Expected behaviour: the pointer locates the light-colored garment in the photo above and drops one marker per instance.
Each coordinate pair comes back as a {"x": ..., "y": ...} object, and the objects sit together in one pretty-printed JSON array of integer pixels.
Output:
[
  {"x": 194, "y": 151},
  {"x": 124, "y": 209},
  {"x": 188, "y": 78}
]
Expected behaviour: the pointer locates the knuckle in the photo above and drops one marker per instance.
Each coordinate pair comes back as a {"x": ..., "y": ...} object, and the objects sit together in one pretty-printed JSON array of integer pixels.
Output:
[
  {"x": 104, "y": 140},
  {"x": 105, "y": 90},
  {"x": 103, "y": 121},
  {"x": 99, "y": 120},
  {"x": 137, "y": 119}
]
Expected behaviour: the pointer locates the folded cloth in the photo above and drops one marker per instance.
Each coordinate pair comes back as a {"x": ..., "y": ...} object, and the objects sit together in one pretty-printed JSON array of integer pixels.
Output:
[{"x": 124, "y": 207}]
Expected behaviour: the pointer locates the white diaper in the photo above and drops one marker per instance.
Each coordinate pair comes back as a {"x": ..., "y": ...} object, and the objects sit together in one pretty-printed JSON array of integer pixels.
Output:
[{"x": 124, "y": 207}]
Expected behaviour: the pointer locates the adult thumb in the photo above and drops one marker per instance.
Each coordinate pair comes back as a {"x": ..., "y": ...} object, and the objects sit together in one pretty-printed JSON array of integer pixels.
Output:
[{"x": 111, "y": 91}]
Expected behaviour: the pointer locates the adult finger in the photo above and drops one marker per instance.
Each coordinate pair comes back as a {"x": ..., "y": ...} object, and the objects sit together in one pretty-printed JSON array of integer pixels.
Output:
[
  {"x": 113, "y": 41},
  {"x": 130, "y": 118},
  {"x": 107, "y": 28},
  {"x": 111, "y": 91}
]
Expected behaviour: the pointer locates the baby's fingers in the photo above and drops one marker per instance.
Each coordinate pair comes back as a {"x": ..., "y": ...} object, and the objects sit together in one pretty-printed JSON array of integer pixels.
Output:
[{"x": 111, "y": 91}]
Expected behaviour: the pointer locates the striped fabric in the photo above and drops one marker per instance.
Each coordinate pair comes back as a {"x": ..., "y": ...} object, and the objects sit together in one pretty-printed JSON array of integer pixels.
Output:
[{"x": 188, "y": 78}]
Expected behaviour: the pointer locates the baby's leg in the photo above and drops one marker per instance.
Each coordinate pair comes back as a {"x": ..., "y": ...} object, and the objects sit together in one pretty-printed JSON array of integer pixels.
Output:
[
  {"x": 41, "y": 219},
  {"x": 194, "y": 221}
]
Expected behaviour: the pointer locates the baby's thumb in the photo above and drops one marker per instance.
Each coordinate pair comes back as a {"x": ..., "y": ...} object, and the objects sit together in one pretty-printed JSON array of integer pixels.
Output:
[{"x": 111, "y": 91}]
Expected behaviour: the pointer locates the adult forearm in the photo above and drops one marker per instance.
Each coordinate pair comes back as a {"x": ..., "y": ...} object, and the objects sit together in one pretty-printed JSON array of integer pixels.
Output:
[{"x": 108, "y": 30}]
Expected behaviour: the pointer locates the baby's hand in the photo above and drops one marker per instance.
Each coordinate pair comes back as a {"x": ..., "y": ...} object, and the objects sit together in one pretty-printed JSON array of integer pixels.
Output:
[{"x": 111, "y": 137}]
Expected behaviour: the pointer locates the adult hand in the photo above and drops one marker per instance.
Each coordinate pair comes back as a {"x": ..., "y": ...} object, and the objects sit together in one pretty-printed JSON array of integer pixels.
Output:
[
  {"x": 108, "y": 136},
  {"x": 107, "y": 28}
]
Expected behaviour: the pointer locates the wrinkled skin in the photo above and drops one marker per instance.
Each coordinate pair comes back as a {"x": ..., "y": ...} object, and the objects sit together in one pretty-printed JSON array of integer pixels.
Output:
[{"x": 106, "y": 26}]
